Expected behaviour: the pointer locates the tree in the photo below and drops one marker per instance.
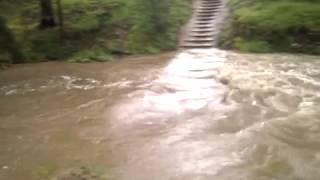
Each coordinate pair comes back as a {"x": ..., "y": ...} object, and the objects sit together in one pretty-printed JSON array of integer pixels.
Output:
[
  {"x": 60, "y": 15},
  {"x": 150, "y": 27},
  {"x": 9, "y": 44},
  {"x": 47, "y": 14}
]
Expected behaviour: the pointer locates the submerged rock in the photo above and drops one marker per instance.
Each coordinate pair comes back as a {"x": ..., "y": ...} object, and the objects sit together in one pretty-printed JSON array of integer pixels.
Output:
[
  {"x": 82, "y": 173},
  {"x": 224, "y": 80}
]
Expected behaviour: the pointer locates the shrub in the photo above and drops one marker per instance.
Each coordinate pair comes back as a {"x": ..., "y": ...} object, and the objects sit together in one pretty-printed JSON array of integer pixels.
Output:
[{"x": 277, "y": 25}]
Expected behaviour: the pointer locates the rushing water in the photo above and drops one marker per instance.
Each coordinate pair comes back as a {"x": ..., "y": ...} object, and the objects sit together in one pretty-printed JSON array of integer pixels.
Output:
[{"x": 200, "y": 114}]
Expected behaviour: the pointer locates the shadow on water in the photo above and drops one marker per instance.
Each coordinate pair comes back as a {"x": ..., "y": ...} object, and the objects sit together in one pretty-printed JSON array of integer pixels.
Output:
[{"x": 199, "y": 114}]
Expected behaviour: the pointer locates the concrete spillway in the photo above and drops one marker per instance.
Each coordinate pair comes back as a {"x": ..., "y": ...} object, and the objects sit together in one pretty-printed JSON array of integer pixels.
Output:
[{"x": 203, "y": 28}]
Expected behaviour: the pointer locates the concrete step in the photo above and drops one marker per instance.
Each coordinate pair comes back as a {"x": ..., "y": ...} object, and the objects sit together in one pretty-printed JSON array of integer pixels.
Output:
[
  {"x": 200, "y": 40},
  {"x": 210, "y": 4},
  {"x": 207, "y": 7},
  {"x": 203, "y": 26},
  {"x": 206, "y": 4},
  {"x": 202, "y": 34},
  {"x": 197, "y": 45},
  {"x": 203, "y": 1},
  {"x": 204, "y": 18},
  {"x": 206, "y": 10},
  {"x": 205, "y": 15},
  {"x": 203, "y": 38},
  {"x": 203, "y": 29},
  {"x": 202, "y": 22},
  {"x": 209, "y": 1},
  {"x": 203, "y": 4},
  {"x": 201, "y": 19}
]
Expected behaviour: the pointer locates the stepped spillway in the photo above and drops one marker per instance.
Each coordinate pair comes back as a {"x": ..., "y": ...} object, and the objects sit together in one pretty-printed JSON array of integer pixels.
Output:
[{"x": 202, "y": 30}]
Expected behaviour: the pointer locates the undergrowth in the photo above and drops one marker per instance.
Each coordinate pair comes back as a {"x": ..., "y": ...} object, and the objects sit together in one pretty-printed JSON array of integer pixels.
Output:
[
  {"x": 93, "y": 29},
  {"x": 273, "y": 25}
]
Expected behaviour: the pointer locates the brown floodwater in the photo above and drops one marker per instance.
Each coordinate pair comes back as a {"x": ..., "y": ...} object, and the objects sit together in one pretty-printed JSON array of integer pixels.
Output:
[{"x": 201, "y": 114}]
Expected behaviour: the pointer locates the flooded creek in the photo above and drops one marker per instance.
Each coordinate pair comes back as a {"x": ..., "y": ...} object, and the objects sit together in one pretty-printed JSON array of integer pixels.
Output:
[{"x": 198, "y": 114}]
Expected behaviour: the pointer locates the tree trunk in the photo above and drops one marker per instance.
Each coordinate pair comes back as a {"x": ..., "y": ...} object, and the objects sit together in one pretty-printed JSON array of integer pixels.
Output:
[
  {"x": 8, "y": 43},
  {"x": 60, "y": 18},
  {"x": 47, "y": 14}
]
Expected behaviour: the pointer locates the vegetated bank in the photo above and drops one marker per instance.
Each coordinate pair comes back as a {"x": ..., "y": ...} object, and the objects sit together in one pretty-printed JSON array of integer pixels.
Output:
[
  {"x": 273, "y": 26},
  {"x": 89, "y": 29}
]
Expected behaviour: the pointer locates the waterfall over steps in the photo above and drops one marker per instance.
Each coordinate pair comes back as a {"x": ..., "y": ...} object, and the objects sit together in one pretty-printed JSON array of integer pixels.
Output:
[{"x": 204, "y": 26}]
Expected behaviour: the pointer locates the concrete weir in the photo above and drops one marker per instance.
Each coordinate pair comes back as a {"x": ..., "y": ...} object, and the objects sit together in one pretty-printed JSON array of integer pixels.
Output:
[{"x": 204, "y": 26}]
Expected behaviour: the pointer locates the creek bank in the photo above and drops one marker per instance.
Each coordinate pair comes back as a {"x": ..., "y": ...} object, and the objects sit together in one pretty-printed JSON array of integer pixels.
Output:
[{"x": 272, "y": 26}]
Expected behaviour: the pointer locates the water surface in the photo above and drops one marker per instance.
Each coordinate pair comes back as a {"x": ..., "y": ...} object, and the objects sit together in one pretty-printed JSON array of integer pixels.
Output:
[{"x": 198, "y": 114}]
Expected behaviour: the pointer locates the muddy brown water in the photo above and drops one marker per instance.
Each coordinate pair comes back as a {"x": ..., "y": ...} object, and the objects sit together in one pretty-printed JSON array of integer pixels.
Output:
[{"x": 165, "y": 117}]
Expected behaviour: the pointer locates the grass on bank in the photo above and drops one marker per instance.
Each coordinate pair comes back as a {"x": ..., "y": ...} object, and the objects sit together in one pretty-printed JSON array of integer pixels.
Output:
[
  {"x": 273, "y": 25},
  {"x": 94, "y": 29}
]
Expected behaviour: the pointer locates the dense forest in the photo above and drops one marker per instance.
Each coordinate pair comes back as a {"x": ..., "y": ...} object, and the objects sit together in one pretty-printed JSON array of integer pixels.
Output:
[{"x": 86, "y": 30}]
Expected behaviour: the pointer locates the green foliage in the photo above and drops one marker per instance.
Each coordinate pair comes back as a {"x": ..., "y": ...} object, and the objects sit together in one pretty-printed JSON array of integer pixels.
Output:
[
  {"x": 44, "y": 171},
  {"x": 279, "y": 25},
  {"x": 47, "y": 45},
  {"x": 86, "y": 173},
  {"x": 156, "y": 28},
  {"x": 281, "y": 15},
  {"x": 87, "y": 15},
  {"x": 91, "y": 55},
  {"x": 136, "y": 26},
  {"x": 256, "y": 46},
  {"x": 148, "y": 25},
  {"x": 8, "y": 43}
]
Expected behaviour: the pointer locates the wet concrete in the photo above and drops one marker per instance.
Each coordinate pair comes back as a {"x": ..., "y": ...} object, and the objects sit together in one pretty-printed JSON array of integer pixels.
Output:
[
  {"x": 198, "y": 114},
  {"x": 205, "y": 24}
]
